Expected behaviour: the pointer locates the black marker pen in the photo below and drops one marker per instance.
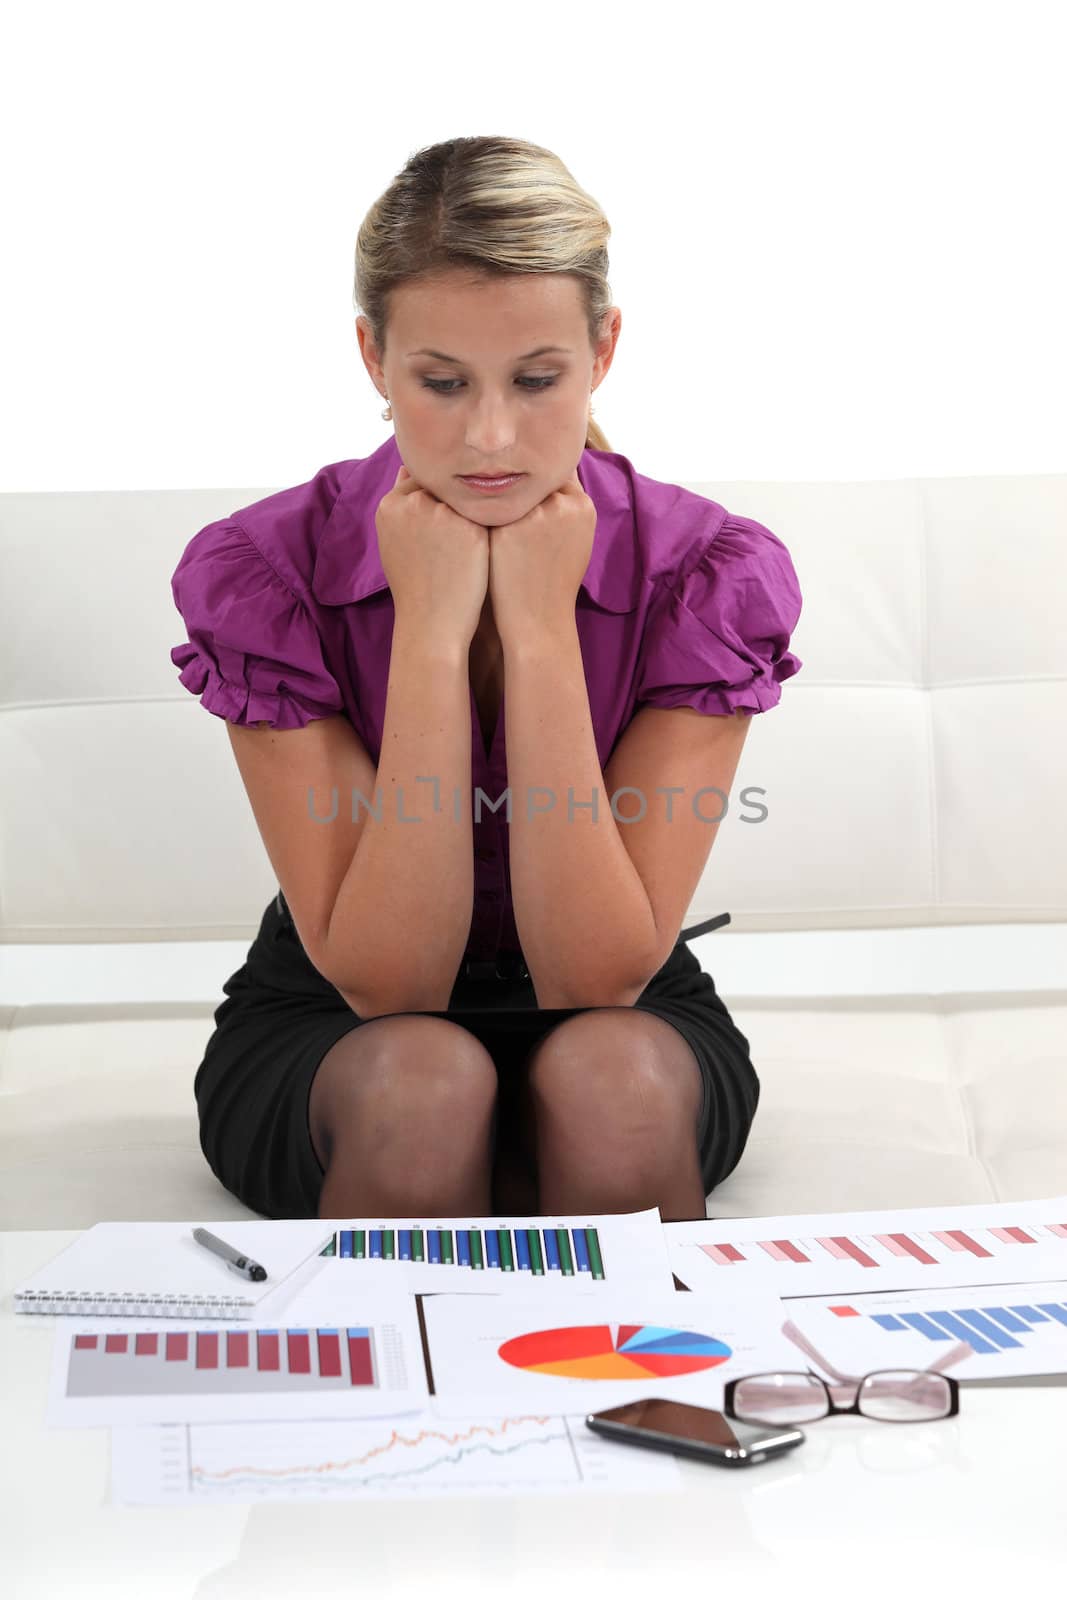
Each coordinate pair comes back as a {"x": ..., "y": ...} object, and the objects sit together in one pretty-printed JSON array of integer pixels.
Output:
[{"x": 233, "y": 1258}]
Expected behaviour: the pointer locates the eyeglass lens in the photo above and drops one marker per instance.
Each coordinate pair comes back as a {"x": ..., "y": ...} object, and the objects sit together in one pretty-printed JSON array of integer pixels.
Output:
[{"x": 886, "y": 1396}]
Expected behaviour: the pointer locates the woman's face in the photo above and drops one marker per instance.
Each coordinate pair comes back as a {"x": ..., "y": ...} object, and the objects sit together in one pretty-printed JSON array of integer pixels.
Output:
[{"x": 496, "y": 407}]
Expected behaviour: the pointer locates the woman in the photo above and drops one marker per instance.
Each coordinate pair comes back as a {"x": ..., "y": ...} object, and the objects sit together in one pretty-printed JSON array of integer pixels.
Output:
[{"x": 478, "y": 728}]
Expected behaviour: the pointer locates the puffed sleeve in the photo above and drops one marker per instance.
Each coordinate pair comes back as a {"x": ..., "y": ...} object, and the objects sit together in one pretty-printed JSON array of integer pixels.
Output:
[
  {"x": 717, "y": 639},
  {"x": 253, "y": 652}
]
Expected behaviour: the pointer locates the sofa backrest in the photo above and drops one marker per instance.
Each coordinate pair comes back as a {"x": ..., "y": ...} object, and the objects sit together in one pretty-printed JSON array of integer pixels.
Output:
[{"x": 914, "y": 773}]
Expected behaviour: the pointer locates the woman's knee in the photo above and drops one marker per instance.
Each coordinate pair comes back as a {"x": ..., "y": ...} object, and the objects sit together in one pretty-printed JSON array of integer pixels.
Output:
[
  {"x": 400, "y": 1077},
  {"x": 637, "y": 1072}
]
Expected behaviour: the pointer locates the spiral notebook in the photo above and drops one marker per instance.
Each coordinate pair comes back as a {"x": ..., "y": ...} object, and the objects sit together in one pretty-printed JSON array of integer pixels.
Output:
[{"x": 157, "y": 1269}]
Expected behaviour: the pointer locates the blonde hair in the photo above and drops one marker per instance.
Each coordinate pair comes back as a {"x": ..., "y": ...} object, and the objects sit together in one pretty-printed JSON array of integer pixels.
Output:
[{"x": 490, "y": 205}]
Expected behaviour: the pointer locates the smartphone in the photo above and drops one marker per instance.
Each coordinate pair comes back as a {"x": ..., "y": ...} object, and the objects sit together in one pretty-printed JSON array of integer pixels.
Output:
[{"x": 693, "y": 1431}]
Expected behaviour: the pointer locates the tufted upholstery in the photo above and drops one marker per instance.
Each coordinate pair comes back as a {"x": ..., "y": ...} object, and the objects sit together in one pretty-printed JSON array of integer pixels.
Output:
[{"x": 897, "y": 956}]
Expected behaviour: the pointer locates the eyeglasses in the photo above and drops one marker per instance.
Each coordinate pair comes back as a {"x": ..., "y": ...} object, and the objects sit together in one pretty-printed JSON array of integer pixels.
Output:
[{"x": 887, "y": 1396}]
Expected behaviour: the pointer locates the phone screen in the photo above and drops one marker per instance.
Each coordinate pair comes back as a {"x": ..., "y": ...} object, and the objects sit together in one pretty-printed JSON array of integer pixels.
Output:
[{"x": 697, "y": 1426}]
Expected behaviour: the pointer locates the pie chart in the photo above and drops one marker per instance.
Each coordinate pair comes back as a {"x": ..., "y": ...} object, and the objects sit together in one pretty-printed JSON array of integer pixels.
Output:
[{"x": 614, "y": 1351}]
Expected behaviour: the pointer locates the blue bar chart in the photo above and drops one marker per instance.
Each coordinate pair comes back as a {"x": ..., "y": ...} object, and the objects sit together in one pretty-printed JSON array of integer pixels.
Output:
[
  {"x": 537, "y": 1251},
  {"x": 1012, "y": 1329},
  {"x": 987, "y": 1329}
]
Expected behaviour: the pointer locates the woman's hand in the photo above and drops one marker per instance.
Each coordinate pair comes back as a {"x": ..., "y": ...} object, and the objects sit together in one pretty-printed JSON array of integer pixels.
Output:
[
  {"x": 436, "y": 561},
  {"x": 537, "y": 563}
]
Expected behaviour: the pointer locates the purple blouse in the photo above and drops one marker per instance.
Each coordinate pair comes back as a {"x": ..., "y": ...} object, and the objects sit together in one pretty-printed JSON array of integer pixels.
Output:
[{"x": 289, "y": 617}]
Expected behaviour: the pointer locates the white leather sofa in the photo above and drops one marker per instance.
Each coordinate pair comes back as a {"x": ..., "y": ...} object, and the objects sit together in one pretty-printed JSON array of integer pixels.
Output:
[{"x": 897, "y": 955}]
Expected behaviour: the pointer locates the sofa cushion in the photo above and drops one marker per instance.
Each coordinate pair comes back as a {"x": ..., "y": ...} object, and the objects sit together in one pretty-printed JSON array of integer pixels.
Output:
[{"x": 865, "y": 1103}]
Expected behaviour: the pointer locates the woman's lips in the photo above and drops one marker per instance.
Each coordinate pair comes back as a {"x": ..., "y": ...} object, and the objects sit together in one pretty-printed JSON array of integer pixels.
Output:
[{"x": 492, "y": 485}]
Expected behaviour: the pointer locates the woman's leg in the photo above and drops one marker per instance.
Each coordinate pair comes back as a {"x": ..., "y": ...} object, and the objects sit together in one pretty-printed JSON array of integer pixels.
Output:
[
  {"x": 402, "y": 1116},
  {"x": 616, "y": 1095}
]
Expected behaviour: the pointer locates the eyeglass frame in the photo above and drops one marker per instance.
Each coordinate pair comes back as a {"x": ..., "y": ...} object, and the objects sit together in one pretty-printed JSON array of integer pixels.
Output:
[{"x": 956, "y": 1353}]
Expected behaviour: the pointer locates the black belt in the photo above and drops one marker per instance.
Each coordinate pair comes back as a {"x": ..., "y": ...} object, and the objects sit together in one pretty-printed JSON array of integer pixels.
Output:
[
  {"x": 507, "y": 967},
  {"x": 513, "y": 966}
]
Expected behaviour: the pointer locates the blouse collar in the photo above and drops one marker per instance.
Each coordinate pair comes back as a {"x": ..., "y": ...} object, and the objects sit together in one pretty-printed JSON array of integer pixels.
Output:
[{"x": 348, "y": 567}]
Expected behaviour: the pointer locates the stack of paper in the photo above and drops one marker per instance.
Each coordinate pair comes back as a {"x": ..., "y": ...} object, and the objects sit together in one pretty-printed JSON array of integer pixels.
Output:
[{"x": 389, "y": 1357}]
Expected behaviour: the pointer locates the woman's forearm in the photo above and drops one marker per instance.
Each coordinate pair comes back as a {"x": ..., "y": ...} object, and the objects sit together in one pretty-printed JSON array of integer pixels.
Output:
[
  {"x": 582, "y": 913},
  {"x": 403, "y": 914}
]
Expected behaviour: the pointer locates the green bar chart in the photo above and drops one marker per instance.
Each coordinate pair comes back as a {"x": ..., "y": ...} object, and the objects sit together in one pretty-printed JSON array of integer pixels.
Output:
[{"x": 539, "y": 1252}]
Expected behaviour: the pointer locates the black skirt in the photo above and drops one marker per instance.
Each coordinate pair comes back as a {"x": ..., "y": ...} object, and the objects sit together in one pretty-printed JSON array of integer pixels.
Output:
[{"x": 281, "y": 1016}]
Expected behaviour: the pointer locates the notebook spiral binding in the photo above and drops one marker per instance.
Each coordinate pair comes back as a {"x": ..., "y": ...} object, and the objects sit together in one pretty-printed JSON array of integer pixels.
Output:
[{"x": 116, "y": 1304}]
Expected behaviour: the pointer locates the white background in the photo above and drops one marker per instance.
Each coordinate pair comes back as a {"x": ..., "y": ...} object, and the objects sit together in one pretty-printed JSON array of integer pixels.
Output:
[{"x": 836, "y": 238}]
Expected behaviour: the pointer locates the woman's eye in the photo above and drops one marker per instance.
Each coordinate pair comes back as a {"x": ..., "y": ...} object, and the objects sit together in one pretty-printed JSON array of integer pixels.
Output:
[{"x": 442, "y": 385}]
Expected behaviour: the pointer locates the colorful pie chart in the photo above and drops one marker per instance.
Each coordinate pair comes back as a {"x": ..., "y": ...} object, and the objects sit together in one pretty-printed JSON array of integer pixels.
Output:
[{"x": 614, "y": 1351}]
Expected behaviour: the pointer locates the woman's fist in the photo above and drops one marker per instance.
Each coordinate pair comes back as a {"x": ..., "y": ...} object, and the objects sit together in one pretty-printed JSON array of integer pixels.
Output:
[{"x": 436, "y": 561}]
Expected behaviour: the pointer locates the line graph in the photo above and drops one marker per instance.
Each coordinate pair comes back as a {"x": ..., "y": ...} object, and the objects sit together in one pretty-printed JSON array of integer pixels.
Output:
[{"x": 382, "y": 1459}]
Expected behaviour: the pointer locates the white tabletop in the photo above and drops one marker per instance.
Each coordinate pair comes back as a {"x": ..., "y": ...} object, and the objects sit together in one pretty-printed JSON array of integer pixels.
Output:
[{"x": 881, "y": 1508}]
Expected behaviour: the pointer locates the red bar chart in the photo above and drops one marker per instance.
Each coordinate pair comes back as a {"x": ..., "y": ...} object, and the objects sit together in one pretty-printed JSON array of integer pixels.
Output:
[
  {"x": 817, "y": 1253},
  {"x": 926, "y": 1248},
  {"x": 232, "y": 1361}
]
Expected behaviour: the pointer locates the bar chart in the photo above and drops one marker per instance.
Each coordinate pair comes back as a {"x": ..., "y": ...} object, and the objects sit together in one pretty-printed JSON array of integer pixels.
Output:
[
  {"x": 537, "y": 1252},
  {"x": 1013, "y": 1330},
  {"x": 342, "y": 1365},
  {"x": 873, "y": 1251},
  {"x": 864, "y": 1252},
  {"x": 232, "y": 1361},
  {"x": 988, "y": 1329}
]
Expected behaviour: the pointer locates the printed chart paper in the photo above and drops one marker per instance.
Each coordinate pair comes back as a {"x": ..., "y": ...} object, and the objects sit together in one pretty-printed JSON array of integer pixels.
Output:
[
  {"x": 138, "y": 1371},
  {"x": 478, "y": 1255},
  {"x": 412, "y": 1458},
  {"x": 1014, "y": 1241},
  {"x": 499, "y": 1354},
  {"x": 1013, "y": 1329}
]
